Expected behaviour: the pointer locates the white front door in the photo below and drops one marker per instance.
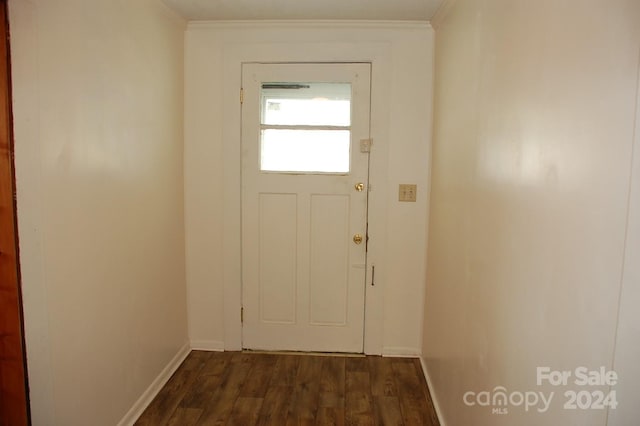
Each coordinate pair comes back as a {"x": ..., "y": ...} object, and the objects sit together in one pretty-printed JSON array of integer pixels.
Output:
[{"x": 304, "y": 205}]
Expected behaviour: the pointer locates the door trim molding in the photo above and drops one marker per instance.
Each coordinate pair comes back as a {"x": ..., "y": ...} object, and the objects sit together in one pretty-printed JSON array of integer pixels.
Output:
[{"x": 234, "y": 55}]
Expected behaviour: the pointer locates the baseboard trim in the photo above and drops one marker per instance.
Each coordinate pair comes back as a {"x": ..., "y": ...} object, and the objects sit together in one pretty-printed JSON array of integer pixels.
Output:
[
  {"x": 432, "y": 392},
  {"x": 147, "y": 396},
  {"x": 399, "y": 351},
  {"x": 207, "y": 345}
]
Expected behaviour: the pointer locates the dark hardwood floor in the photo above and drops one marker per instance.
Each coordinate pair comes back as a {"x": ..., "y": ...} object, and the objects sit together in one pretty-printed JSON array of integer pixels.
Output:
[{"x": 241, "y": 388}]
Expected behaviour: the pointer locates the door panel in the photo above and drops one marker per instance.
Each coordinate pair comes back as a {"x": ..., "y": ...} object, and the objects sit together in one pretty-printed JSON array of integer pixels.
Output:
[
  {"x": 278, "y": 254},
  {"x": 329, "y": 287},
  {"x": 303, "y": 276}
]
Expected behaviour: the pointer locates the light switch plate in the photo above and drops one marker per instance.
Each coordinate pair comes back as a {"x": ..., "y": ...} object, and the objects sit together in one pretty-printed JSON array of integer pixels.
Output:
[{"x": 407, "y": 192}]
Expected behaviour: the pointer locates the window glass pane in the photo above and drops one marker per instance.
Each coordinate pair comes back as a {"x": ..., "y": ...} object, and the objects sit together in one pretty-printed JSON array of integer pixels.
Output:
[
  {"x": 316, "y": 104},
  {"x": 305, "y": 151}
]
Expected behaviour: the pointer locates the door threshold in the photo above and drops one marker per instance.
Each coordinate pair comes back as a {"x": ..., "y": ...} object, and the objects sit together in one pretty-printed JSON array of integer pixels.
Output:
[{"x": 334, "y": 354}]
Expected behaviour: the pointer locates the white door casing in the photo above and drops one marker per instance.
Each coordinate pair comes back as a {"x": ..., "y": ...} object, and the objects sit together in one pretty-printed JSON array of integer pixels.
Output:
[{"x": 303, "y": 277}]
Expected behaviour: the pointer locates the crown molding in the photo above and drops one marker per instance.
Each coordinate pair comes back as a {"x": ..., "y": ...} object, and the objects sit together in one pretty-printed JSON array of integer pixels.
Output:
[
  {"x": 170, "y": 13},
  {"x": 318, "y": 24},
  {"x": 442, "y": 13}
]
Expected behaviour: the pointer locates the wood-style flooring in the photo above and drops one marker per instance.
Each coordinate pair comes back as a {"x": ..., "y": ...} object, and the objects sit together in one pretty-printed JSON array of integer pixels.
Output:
[{"x": 241, "y": 388}]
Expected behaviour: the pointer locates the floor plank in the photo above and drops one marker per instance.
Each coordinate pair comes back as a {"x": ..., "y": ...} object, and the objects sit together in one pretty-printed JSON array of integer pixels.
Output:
[
  {"x": 413, "y": 396},
  {"x": 245, "y": 412},
  {"x": 245, "y": 388},
  {"x": 357, "y": 364},
  {"x": 333, "y": 375},
  {"x": 218, "y": 409},
  {"x": 165, "y": 403},
  {"x": 276, "y": 406},
  {"x": 382, "y": 378},
  {"x": 359, "y": 407},
  {"x": 331, "y": 400},
  {"x": 285, "y": 370},
  {"x": 387, "y": 411},
  {"x": 201, "y": 392},
  {"x": 307, "y": 391},
  {"x": 259, "y": 377},
  {"x": 330, "y": 416},
  {"x": 217, "y": 363},
  {"x": 185, "y": 416}
]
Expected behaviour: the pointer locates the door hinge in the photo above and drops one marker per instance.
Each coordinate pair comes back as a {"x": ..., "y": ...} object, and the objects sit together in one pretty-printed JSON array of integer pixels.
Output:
[
  {"x": 366, "y": 239},
  {"x": 242, "y": 314},
  {"x": 241, "y": 96}
]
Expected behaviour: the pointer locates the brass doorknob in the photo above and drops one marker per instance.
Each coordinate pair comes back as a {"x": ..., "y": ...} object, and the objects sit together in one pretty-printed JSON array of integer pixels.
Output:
[
  {"x": 359, "y": 186},
  {"x": 357, "y": 239}
]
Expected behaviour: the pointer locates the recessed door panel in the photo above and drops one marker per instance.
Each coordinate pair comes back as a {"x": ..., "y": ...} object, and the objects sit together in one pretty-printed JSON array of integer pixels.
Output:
[
  {"x": 278, "y": 257},
  {"x": 329, "y": 245}
]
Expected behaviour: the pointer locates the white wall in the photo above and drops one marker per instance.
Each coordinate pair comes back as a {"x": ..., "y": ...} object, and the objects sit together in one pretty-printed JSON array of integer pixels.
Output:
[
  {"x": 534, "y": 121},
  {"x": 98, "y": 105},
  {"x": 401, "y": 102}
]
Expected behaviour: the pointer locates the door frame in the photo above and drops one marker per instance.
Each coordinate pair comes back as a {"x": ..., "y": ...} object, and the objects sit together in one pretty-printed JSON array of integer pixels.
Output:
[
  {"x": 13, "y": 366},
  {"x": 234, "y": 55}
]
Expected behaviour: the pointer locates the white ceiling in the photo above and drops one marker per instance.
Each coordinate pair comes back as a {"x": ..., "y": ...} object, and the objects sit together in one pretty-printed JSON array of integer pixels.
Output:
[{"x": 413, "y": 10}]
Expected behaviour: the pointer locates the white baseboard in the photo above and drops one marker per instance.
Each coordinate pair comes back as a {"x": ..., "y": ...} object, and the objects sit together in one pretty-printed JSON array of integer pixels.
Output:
[
  {"x": 207, "y": 345},
  {"x": 399, "y": 351},
  {"x": 432, "y": 392},
  {"x": 147, "y": 396}
]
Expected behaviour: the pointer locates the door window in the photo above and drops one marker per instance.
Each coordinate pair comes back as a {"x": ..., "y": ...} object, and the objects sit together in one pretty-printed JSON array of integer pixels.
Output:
[{"x": 305, "y": 128}]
